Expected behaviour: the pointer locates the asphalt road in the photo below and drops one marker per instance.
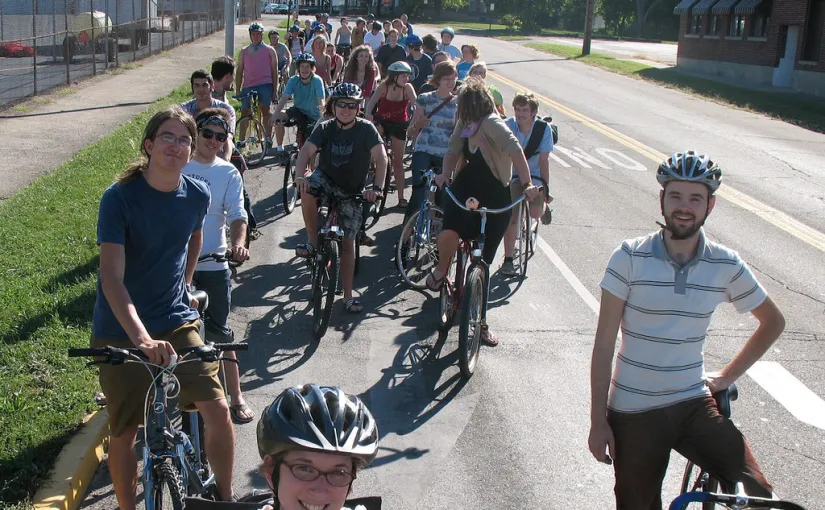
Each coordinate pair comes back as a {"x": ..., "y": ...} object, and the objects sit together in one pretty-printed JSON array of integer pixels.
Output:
[
  {"x": 656, "y": 52},
  {"x": 515, "y": 435}
]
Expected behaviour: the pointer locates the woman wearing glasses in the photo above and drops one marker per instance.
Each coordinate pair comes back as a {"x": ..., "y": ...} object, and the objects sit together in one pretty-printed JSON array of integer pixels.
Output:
[
  {"x": 225, "y": 209},
  {"x": 313, "y": 441}
]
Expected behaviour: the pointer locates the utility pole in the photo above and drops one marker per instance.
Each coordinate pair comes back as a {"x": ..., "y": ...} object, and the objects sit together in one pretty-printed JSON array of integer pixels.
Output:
[
  {"x": 229, "y": 27},
  {"x": 588, "y": 27}
]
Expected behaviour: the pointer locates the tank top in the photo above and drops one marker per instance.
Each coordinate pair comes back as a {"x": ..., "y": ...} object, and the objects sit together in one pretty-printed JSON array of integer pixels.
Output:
[
  {"x": 393, "y": 111},
  {"x": 322, "y": 70},
  {"x": 296, "y": 47},
  {"x": 345, "y": 37},
  {"x": 257, "y": 68}
]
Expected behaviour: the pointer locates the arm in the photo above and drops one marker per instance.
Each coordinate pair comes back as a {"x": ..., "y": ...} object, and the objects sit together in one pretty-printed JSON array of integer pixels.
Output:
[
  {"x": 237, "y": 236},
  {"x": 409, "y": 92},
  {"x": 286, "y": 96},
  {"x": 544, "y": 170},
  {"x": 601, "y": 364},
  {"x": 337, "y": 36},
  {"x": 304, "y": 157},
  {"x": 379, "y": 156},
  {"x": 112, "y": 270},
  {"x": 192, "y": 254},
  {"x": 418, "y": 114},
  {"x": 236, "y": 217},
  {"x": 520, "y": 164},
  {"x": 239, "y": 74},
  {"x": 771, "y": 325},
  {"x": 273, "y": 65},
  {"x": 371, "y": 104}
]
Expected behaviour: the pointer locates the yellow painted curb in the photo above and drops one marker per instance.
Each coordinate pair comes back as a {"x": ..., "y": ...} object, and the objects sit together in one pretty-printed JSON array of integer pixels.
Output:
[{"x": 76, "y": 466}]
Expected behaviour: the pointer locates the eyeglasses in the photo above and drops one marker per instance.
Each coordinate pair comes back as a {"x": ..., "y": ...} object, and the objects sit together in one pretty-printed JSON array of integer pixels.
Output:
[
  {"x": 347, "y": 105},
  {"x": 209, "y": 134},
  {"x": 307, "y": 473},
  {"x": 171, "y": 139}
]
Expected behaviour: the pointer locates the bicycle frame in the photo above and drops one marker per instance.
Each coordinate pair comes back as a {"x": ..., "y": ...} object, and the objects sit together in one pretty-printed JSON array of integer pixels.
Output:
[
  {"x": 424, "y": 226},
  {"x": 738, "y": 501}
]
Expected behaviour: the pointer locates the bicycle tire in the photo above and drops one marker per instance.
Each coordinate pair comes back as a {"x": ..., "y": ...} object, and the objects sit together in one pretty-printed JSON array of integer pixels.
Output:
[
  {"x": 447, "y": 306},
  {"x": 382, "y": 202},
  {"x": 691, "y": 482},
  {"x": 423, "y": 257},
  {"x": 167, "y": 478},
  {"x": 324, "y": 286},
  {"x": 253, "y": 146},
  {"x": 469, "y": 331},
  {"x": 290, "y": 191},
  {"x": 522, "y": 247}
]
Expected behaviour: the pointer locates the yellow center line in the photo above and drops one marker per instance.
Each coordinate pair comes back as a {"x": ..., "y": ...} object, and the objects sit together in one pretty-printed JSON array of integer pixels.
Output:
[{"x": 770, "y": 214}]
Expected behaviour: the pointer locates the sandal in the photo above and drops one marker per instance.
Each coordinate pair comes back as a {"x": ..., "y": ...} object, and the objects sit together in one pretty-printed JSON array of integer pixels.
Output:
[
  {"x": 366, "y": 240},
  {"x": 487, "y": 337},
  {"x": 239, "y": 410},
  {"x": 433, "y": 283},
  {"x": 403, "y": 203},
  {"x": 354, "y": 306},
  {"x": 304, "y": 251}
]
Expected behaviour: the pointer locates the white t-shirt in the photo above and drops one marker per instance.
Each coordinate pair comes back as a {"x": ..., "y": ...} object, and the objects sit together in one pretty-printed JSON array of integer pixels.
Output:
[
  {"x": 226, "y": 207},
  {"x": 374, "y": 41}
]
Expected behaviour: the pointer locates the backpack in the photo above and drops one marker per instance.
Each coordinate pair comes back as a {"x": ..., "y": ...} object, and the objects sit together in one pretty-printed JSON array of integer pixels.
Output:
[
  {"x": 539, "y": 128},
  {"x": 555, "y": 128}
]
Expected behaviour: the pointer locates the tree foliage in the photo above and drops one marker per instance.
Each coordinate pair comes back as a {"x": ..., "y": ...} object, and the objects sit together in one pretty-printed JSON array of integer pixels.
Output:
[{"x": 617, "y": 14}]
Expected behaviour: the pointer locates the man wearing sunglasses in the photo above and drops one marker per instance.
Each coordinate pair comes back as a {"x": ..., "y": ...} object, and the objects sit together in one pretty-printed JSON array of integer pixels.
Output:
[
  {"x": 225, "y": 208},
  {"x": 347, "y": 144},
  {"x": 202, "y": 86}
]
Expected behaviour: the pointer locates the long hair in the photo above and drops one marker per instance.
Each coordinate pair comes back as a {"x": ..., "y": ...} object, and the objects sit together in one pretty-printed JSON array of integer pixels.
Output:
[
  {"x": 442, "y": 70},
  {"x": 152, "y": 127},
  {"x": 315, "y": 40},
  {"x": 474, "y": 103},
  {"x": 351, "y": 71}
]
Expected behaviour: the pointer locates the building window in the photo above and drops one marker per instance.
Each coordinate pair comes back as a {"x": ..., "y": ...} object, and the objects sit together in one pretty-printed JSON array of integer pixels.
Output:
[
  {"x": 813, "y": 31},
  {"x": 696, "y": 24},
  {"x": 715, "y": 24},
  {"x": 737, "y": 25},
  {"x": 760, "y": 19}
]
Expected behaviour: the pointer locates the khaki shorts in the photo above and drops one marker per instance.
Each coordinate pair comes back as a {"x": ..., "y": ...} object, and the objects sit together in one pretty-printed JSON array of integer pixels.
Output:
[
  {"x": 516, "y": 191},
  {"x": 125, "y": 386}
]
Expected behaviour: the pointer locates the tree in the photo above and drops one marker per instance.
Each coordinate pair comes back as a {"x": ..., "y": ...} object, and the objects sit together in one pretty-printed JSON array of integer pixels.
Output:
[
  {"x": 617, "y": 14},
  {"x": 642, "y": 11}
]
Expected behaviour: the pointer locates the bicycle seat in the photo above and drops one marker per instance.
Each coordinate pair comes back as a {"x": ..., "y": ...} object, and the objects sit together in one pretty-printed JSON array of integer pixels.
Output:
[
  {"x": 724, "y": 398},
  {"x": 203, "y": 300}
]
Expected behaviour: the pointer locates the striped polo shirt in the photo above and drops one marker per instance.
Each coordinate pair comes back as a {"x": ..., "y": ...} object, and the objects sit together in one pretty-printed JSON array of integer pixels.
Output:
[{"x": 666, "y": 317}]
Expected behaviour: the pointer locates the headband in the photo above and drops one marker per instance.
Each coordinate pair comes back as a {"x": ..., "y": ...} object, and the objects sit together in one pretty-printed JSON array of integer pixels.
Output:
[{"x": 214, "y": 120}]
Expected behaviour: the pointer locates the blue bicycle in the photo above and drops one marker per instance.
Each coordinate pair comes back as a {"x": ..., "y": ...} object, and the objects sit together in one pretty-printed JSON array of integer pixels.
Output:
[{"x": 416, "y": 251}]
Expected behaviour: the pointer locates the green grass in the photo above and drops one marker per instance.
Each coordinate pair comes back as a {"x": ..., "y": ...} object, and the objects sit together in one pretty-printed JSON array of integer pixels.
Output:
[
  {"x": 512, "y": 37},
  {"x": 48, "y": 277},
  {"x": 802, "y": 111}
]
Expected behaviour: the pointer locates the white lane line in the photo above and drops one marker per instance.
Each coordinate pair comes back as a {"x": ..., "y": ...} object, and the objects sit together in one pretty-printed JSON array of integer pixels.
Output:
[
  {"x": 789, "y": 391},
  {"x": 802, "y": 403}
]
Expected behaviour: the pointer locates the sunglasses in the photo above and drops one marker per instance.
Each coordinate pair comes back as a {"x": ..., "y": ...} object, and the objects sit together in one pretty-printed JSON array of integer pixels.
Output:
[
  {"x": 347, "y": 105},
  {"x": 209, "y": 134}
]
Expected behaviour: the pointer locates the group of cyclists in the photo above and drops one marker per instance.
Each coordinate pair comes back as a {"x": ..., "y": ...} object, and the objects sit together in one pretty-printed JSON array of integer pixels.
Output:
[{"x": 185, "y": 198}]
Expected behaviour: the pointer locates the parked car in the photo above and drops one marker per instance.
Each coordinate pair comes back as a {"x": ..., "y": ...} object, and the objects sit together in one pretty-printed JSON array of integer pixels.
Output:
[{"x": 283, "y": 9}]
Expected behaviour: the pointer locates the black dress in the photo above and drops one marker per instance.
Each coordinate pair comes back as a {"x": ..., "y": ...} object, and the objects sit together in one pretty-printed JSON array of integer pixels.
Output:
[{"x": 478, "y": 180}]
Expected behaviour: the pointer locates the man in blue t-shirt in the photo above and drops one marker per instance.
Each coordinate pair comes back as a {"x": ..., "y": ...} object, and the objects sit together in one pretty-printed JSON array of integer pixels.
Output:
[
  {"x": 149, "y": 232},
  {"x": 421, "y": 64},
  {"x": 525, "y": 124},
  {"x": 306, "y": 89}
]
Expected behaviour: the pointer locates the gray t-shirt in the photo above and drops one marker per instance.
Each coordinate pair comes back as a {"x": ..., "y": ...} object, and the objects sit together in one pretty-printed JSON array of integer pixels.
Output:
[
  {"x": 345, "y": 153},
  {"x": 283, "y": 54},
  {"x": 435, "y": 138}
]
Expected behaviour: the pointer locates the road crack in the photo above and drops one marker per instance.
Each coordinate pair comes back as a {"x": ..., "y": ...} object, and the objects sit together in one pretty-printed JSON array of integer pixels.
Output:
[{"x": 788, "y": 287}]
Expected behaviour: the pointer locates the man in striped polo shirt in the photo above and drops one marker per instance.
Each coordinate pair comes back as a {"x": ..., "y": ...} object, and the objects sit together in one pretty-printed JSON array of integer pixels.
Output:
[{"x": 663, "y": 289}]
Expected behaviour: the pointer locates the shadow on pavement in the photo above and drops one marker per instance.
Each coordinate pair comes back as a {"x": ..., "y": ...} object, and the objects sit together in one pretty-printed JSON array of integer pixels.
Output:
[{"x": 107, "y": 107}]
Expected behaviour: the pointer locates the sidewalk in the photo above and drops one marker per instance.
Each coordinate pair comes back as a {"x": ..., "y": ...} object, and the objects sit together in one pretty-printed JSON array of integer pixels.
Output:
[{"x": 41, "y": 139}]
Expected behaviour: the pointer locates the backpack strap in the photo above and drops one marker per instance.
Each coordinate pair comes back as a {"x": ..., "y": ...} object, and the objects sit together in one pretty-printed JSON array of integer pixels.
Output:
[{"x": 539, "y": 128}]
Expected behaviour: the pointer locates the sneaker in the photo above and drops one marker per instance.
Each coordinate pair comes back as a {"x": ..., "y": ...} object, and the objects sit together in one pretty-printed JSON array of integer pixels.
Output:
[
  {"x": 547, "y": 217},
  {"x": 507, "y": 268}
]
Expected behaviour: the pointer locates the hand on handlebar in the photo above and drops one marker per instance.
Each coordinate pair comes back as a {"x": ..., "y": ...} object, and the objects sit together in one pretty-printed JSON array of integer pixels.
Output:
[
  {"x": 717, "y": 382},
  {"x": 239, "y": 253},
  {"x": 440, "y": 180},
  {"x": 531, "y": 192},
  {"x": 303, "y": 184},
  {"x": 159, "y": 352},
  {"x": 371, "y": 196}
]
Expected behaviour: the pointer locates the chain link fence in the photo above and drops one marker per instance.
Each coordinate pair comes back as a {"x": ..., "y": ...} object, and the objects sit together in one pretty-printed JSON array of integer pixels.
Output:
[{"x": 48, "y": 43}]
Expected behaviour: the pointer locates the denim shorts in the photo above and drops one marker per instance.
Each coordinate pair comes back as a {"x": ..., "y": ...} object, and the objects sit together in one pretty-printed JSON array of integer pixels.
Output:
[
  {"x": 218, "y": 287},
  {"x": 265, "y": 93}
]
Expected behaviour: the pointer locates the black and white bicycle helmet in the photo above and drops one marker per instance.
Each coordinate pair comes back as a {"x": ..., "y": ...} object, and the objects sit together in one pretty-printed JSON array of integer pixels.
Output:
[
  {"x": 346, "y": 91},
  {"x": 256, "y": 27},
  {"x": 691, "y": 167},
  {"x": 318, "y": 418},
  {"x": 305, "y": 57}
]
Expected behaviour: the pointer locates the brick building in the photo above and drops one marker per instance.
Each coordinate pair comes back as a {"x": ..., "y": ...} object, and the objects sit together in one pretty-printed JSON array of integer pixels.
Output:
[{"x": 778, "y": 42}]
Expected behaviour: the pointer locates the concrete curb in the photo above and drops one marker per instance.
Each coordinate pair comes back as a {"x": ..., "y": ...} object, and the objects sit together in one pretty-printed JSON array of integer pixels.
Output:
[{"x": 76, "y": 465}]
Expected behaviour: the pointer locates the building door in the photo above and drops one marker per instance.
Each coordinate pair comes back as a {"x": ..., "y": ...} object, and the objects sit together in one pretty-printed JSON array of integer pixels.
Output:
[{"x": 783, "y": 73}]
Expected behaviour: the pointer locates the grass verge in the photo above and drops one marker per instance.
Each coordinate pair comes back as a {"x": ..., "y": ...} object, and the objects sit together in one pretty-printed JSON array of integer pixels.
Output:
[
  {"x": 48, "y": 280},
  {"x": 802, "y": 111}
]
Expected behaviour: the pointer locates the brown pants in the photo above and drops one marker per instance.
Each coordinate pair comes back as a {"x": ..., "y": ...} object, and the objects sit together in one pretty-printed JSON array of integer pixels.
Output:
[{"x": 693, "y": 428}]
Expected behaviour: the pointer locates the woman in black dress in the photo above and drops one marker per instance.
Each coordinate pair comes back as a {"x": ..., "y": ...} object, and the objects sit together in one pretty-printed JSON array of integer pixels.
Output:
[{"x": 483, "y": 152}]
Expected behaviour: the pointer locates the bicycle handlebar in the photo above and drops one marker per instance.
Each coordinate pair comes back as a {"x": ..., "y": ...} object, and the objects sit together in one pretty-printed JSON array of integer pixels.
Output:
[
  {"x": 743, "y": 501},
  {"x": 220, "y": 257},
  {"x": 484, "y": 210},
  {"x": 115, "y": 355}
]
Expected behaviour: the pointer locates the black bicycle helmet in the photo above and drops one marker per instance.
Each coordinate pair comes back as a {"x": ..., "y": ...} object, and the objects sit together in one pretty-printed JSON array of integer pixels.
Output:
[
  {"x": 346, "y": 91},
  {"x": 273, "y": 32},
  {"x": 318, "y": 418},
  {"x": 691, "y": 167},
  {"x": 305, "y": 57}
]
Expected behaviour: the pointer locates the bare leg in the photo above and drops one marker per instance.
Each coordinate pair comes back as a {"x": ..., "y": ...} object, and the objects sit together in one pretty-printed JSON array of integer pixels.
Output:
[
  {"x": 511, "y": 234},
  {"x": 123, "y": 467},
  {"x": 348, "y": 266},
  {"x": 242, "y": 130},
  {"x": 233, "y": 380},
  {"x": 309, "y": 209},
  {"x": 398, "y": 166},
  {"x": 220, "y": 443},
  {"x": 447, "y": 245},
  {"x": 266, "y": 114}
]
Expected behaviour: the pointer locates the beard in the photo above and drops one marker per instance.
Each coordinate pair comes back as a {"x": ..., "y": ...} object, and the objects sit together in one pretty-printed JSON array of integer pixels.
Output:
[{"x": 681, "y": 231}]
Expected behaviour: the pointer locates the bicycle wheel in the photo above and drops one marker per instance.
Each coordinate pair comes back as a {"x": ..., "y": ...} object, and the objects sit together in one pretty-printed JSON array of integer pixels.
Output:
[
  {"x": 253, "y": 144},
  {"x": 372, "y": 211},
  {"x": 357, "y": 252},
  {"x": 522, "y": 248},
  {"x": 449, "y": 290},
  {"x": 168, "y": 486},
  {"x": 326, "y": 281},
  {"x": 382, "y": 202},
  {"x": 415, "y": 257},
  {"x": 290, "y": 191},
  {"x": 696, "y": 479},
  {"x": 469, "y": 332}
]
